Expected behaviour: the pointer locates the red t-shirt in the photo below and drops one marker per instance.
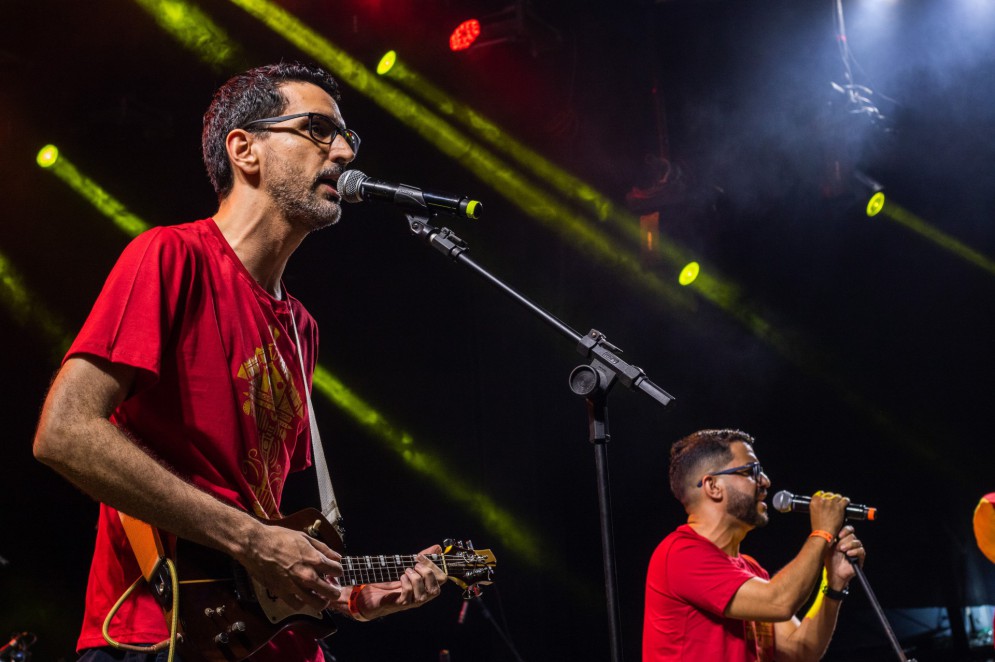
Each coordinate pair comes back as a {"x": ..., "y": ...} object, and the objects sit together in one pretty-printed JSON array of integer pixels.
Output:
[
  {"x": 218, "y": 398},
  {"x": 688, "y": 586}
]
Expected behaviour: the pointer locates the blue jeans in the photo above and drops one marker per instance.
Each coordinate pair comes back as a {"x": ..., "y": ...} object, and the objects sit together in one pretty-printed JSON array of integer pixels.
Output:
[
  {"x": 108, "y": 654},
  {"x": 114, "y": 655}
]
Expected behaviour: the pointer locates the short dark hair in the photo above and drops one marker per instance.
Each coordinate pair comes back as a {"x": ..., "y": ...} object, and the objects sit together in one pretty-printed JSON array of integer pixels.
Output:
[
  {"x": 250, "y": 96},
  {"x": 696, "y": 453}
]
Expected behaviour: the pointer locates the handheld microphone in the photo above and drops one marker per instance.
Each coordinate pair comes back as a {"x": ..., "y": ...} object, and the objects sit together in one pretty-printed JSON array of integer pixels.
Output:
[
  {"x": 786, "y": 502},
  {"x": 355, "y": 186}
]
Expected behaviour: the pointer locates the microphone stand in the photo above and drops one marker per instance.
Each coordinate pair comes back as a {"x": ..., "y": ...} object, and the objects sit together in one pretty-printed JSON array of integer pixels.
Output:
[
  {"x": 592, "y": 381},
  {"x": 475, "y": 598},
  {"x": 892, "y": 639}
]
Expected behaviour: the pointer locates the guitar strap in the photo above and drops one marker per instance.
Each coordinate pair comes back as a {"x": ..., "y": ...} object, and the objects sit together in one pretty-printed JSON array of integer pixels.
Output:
[
  {"x": 146, "y": 544},
  {"x": 329, "y": 506}
]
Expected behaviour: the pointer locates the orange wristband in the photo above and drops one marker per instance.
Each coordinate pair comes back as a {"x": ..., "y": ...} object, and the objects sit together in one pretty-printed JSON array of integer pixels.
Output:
[
  {"x": 354, "y": 603},
  {"x": 825, "y": 535}
]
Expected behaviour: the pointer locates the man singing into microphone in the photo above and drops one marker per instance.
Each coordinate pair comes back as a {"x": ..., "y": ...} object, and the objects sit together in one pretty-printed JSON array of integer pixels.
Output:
[
  {"x": 705, "y": 600},
  {"x": 182, "y": 401}
]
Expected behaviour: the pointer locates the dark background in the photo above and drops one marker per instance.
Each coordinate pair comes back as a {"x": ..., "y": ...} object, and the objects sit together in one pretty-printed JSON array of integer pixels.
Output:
[{"x": 866, "y": 370}]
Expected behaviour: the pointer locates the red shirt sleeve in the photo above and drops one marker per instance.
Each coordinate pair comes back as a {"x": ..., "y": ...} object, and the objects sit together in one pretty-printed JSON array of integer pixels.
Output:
[
  {"x": 131, "y": 320},
  {"x": 704, "y": 575}
]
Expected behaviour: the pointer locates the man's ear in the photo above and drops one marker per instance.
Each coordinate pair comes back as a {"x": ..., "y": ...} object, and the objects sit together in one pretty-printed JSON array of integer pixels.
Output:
[
  {"x": 711, "y": 488},
  {"x": 241, "y": 147}
]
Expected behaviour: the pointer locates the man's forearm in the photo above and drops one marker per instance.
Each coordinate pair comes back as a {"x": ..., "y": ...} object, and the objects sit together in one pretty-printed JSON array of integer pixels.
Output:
[
  {"x": 76, "y": 439},
  {"x": 809, "y": 641},
  {"x": 100, "y": 460},
  {"x": 785, "y": 593}
]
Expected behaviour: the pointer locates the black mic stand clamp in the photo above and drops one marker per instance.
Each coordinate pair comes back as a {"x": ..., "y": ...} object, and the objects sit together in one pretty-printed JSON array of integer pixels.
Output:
[
  {"x": 609, "y": 366},
  {"x": 443, "y": 240}
]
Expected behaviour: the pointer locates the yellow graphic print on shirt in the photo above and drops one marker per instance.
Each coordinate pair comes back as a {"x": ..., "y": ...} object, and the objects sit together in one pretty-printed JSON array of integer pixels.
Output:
[
  {"x": 761, "y": 635},
  {"x": 276, "y": 406}
]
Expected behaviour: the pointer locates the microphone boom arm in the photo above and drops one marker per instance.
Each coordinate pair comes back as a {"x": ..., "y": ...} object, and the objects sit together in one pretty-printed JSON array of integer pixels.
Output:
[{"x": 609, "y": 365}]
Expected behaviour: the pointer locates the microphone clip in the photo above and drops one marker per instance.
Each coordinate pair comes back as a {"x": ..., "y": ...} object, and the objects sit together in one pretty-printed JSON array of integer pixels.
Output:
[{"x": 442, "y": 239}]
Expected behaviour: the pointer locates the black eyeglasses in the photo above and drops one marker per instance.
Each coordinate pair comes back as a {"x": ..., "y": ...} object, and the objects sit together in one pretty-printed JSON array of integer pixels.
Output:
[
  {"x": 753, "y": 469},
  {"x": 320, "y": 127}
]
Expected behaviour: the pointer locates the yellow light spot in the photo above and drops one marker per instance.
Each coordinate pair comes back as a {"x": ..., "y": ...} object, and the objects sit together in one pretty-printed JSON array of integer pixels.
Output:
[
  {"x": 875, "y": 204},
  {"x": 689, "y": 273},
  {"x": 387, "y": 62},
  {"x": 47, "y": 156}
]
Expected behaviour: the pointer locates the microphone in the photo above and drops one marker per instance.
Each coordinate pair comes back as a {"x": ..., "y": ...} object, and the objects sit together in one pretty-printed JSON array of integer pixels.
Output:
[
  {"x": 786, "y": 502},
  {"x": 355, "y": 186}
]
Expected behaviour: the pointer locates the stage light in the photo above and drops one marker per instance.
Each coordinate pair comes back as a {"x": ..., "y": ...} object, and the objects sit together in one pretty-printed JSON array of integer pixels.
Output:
[
  {"x": 880, "y": 205},
  {"x": 464, "y": 35},
  {"x": 876, "y": 201},
  {"x": 387, "y": 62},
  {"x": 514, "y": 23},
  {"x": 50, "y": 159},
  {"x": 689, "y": 273},
  {"x": 875, "y": 204},
  {"x": 499, "y": 28},
  {"x": 47, "y": 156}
]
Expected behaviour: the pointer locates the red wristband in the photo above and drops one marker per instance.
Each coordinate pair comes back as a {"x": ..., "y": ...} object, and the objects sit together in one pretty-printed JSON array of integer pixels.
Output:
[{"x": 354, "y": 603}]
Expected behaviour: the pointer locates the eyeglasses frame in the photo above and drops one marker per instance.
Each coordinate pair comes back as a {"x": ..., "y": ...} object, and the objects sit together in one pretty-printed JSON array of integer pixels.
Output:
[
  {"x": 755, "y": 472},
  {"x": 350, "y": 136}
]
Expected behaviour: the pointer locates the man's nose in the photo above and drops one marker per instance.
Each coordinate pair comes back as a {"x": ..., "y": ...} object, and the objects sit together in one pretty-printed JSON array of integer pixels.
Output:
[{"x": 340, "y": 151}]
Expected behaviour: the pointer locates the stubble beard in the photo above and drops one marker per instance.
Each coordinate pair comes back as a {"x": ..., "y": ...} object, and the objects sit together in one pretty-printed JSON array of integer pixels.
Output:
[
  {"x": 302, "y": 205},
  {"x": 744, "y": 507}
]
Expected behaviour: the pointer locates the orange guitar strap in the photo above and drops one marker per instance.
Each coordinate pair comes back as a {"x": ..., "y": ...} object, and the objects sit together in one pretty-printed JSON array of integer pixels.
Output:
[
  {"x": 146, "y": 544},
  {"x": 150, "y": 554}
]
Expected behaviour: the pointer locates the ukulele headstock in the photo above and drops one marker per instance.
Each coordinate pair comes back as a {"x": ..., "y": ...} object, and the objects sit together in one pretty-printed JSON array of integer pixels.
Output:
[{"x": 468, "y": 567}]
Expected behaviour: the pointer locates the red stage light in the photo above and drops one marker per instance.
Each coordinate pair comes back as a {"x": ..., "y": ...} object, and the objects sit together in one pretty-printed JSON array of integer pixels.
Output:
[{"x": 464, "y": 35}]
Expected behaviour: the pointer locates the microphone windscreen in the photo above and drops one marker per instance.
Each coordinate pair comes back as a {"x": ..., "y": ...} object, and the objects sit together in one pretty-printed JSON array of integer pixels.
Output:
[
  {"x": 350, "y": 185},
  {"x": 782, "y": 501}
]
